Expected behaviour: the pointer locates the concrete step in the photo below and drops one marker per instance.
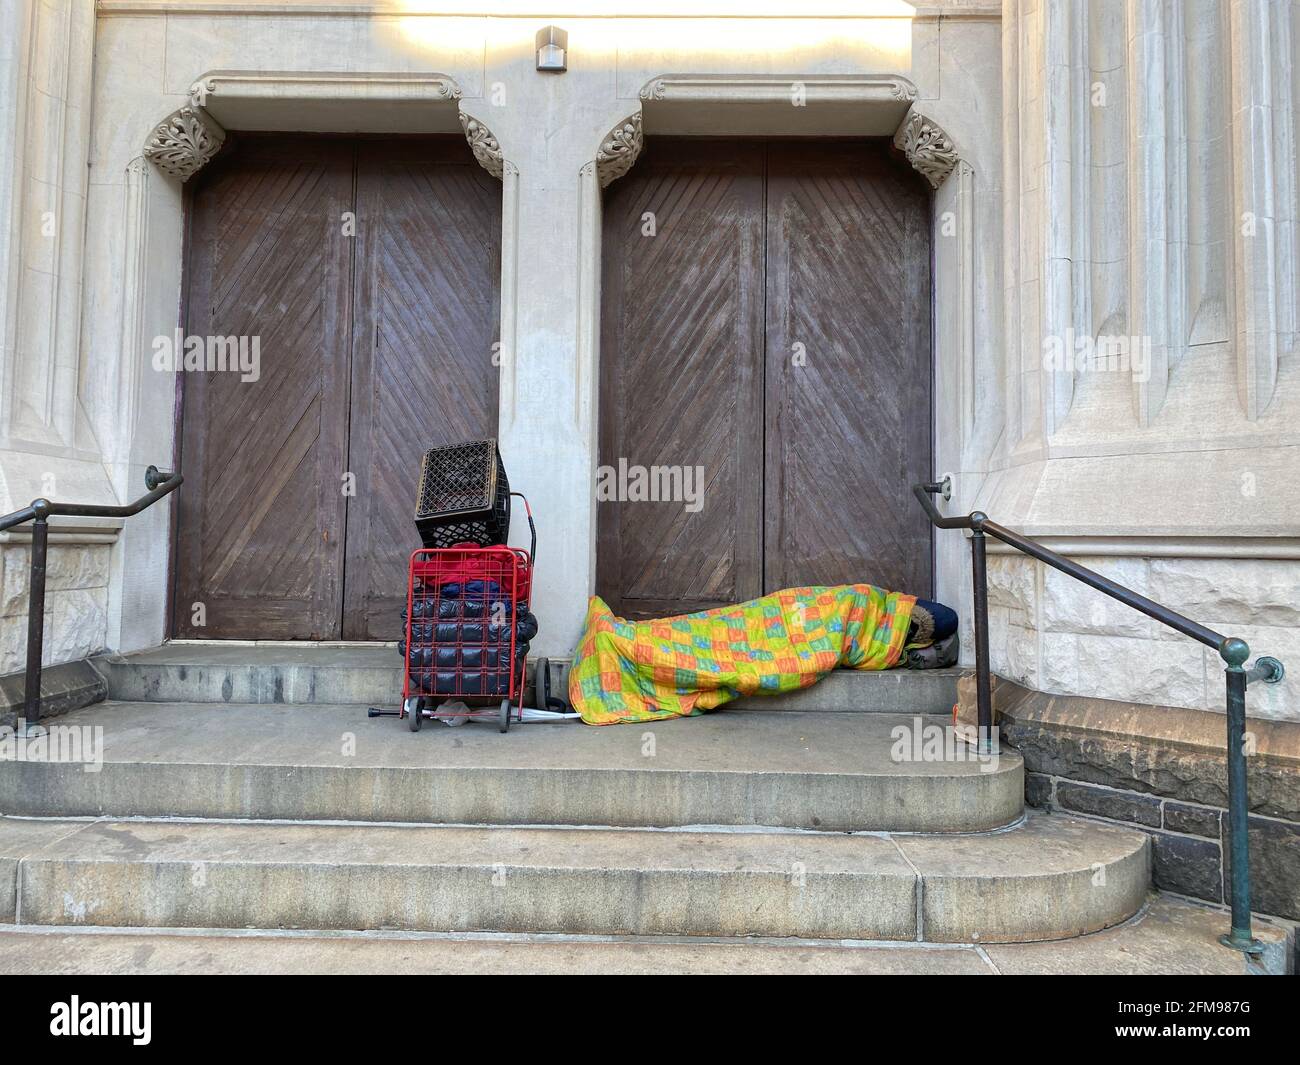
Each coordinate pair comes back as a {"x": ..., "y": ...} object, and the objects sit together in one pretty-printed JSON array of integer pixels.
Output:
[
  {"x": 1048, "y": 878},
  {"x": 333, "y": 763},
  {"x": 1167, "y": 937},
  {"x": 241, "y": 672}
]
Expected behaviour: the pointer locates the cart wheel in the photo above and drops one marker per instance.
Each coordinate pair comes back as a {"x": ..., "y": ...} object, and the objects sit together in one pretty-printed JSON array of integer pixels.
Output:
[
  {"x": 504, "y": 717},
  {"x": 541, "y": 683},
  {"x": 415, "y": 714}
]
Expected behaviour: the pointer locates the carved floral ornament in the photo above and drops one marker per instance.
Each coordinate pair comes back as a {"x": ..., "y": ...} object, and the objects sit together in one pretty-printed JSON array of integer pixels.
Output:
[
  {"x": 619, "y": 150},
  {"x": 184, "y": 142},
  {"x": 484, "y": 145},
  {"x": 928, "y": 148}
]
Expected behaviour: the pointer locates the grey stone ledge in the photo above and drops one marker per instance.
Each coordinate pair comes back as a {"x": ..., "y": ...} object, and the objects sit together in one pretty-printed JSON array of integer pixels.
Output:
[{"x": 1170, "y": 751}]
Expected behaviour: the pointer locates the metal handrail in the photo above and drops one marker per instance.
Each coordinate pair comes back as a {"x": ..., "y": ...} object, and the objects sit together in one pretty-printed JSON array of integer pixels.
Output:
[
  {"x": 1233, "y": 650},
  {"x": 39, "y": 512}
]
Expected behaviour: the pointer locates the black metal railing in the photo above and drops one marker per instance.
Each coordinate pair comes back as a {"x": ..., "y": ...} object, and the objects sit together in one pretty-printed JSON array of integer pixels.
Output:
[
  {"x": 1232, "y": 650},
  {"x": 39, "y": 513}
]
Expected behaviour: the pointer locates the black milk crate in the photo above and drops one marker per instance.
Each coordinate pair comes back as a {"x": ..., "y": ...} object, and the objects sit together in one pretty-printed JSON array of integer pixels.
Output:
[{"x": 464, "y": 496}]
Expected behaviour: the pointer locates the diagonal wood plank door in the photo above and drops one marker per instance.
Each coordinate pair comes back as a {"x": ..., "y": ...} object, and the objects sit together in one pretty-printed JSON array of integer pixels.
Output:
[
  {"x": 369, "y": 270},
  {"x": 683, "y": 315},
  {"x": 848, "y": 367},
  {"x": 260, "y": 522},
  {"x": 777, "y": 329},
  {"x": 423, "y": 372}
]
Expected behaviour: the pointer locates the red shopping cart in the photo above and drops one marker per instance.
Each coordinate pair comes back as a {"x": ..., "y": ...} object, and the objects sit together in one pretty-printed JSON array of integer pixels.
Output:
[{"x": 468, "y": 627}]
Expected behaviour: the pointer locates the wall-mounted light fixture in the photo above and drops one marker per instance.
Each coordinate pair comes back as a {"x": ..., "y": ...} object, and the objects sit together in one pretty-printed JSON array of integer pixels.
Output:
[{"x": 552, "y": 49}]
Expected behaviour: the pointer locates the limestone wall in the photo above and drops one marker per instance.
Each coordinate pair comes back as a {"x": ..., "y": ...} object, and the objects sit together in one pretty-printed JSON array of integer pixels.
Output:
[
  {"x": 47, "y": 446},
  {"x": 1151, "y": 226},
  {"x": 76, "y": 603},
  {"x": 1057, "y": 635}
]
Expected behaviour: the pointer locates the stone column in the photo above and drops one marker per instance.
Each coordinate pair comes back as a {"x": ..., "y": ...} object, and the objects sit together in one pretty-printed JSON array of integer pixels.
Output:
[
  {"x": 1038, "y": 218},
  {"x": 1149, "y": 290},
  {"x": 47, "y": 447},
  {"x": 46, "y": 70},
  {"x": 1257, "y": 75},
  {"x": 1177, "y": 217},
  {"x": 548, "y": 137}
]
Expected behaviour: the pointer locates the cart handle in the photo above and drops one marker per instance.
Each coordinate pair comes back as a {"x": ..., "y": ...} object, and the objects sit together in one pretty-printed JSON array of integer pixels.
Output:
[{"x": 532, "y": 529}]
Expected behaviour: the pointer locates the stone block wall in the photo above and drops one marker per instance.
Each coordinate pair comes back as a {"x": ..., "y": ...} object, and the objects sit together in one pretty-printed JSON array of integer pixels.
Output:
[
  {"x": 1050, "y": 632},
  {"x": 1163, "y": 770},
  {"x": 76, "y": 602},
  {"x": 1190, "y": 844}
]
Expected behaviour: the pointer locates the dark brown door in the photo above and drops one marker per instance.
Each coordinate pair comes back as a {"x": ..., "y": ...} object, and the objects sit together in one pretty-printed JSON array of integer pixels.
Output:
[
  {"x": 680, "y": 386},
  {"x": 368, "y": 271},
  {"x": 261, "y": 518},
  {"x": 848, "y": 368},
  {"x": 423, "y": 373},
  {"x": 774, "y": 329}
]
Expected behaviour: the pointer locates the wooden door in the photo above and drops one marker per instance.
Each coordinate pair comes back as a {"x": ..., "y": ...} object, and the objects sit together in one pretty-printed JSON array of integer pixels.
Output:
[
  {"x": 683, "y": 316},
  {"x": 423, "y": 372},
  {"x": 775, "y": 327},
  {"x": 369, "y": 268},
  {"x": 848, "y": 368},
  {"x": 261, "y": 517}
]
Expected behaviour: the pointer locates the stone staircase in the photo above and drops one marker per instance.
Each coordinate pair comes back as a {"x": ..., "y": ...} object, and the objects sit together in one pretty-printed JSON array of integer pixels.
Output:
[{"x": 269, "y": 800}]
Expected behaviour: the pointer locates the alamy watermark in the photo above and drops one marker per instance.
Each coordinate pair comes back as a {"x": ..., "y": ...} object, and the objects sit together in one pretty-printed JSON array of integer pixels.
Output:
[
  {"x": 923, "y": 741},
  {"x": 209, "y": 354},
  {"x": 132, "y": 1020},
  {"x": 73, "y": 744},
  {"x": 629, "y": 483},
  {"x": 1099, "y": 354}
]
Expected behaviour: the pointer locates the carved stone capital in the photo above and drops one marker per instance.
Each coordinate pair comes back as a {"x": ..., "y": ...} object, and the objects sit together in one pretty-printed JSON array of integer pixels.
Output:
[
  {"x": 927, "y": 147},
  {"x": 484, "y": 144},
  {"x": 619, "y": 150},
  {"x": 184, "y": 142}
]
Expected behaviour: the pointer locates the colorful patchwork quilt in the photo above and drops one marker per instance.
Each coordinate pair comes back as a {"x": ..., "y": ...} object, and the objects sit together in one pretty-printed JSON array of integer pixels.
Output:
[{"x": 627, "y": 671}]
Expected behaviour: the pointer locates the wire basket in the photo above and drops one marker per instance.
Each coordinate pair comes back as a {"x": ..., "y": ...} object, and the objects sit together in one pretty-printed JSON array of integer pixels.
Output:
[
  {"x": 464, "y": 496},
  {"x": 467, "y": 622}
]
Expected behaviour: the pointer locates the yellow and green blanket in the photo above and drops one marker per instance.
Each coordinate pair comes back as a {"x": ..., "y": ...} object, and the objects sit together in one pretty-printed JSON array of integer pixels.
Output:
[{"x": 677, "y": 667}]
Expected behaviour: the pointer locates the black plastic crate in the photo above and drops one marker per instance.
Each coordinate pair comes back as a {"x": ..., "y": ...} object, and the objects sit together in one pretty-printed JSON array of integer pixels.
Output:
[{"x": 464, "y": 496}]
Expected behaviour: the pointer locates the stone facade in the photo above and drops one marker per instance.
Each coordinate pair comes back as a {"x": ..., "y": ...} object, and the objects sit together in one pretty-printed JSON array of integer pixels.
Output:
[
  {"x": 1058, "y": 635},
  {"x": 1116, "y": 306},
  {"x": 76, "y": 602},
  {"x": 1150, "y": 392}
]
